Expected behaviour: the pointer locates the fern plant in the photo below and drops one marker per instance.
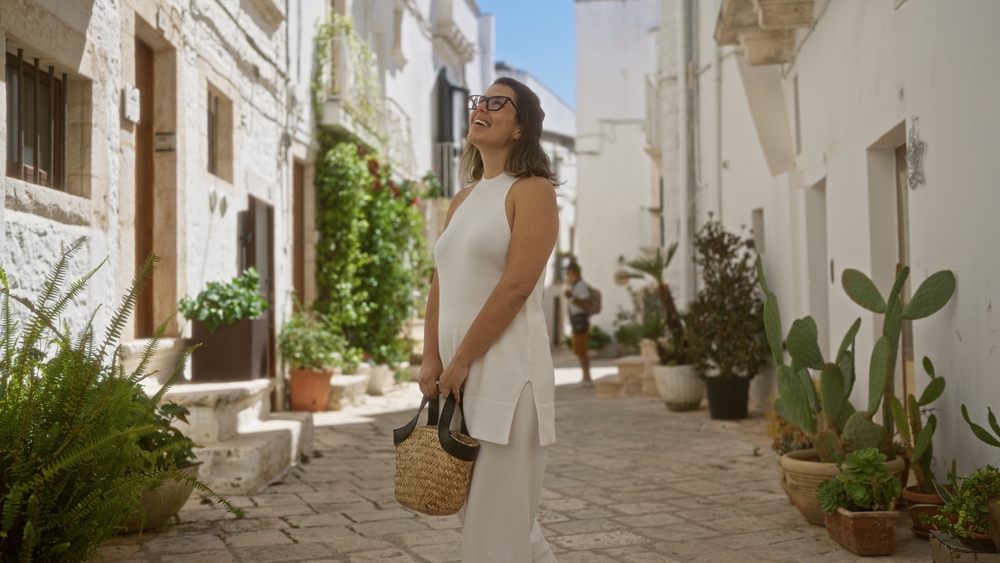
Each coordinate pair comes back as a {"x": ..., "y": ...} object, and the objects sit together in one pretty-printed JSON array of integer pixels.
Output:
[{"x": 71, "y": 463}]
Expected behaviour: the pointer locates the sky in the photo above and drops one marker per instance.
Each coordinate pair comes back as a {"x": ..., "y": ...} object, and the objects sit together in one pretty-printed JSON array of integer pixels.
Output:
[{"x": 537, "y": 36}]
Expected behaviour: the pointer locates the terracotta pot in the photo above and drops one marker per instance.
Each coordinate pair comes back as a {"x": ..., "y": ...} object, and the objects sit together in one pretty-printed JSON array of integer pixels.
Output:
[
  {"x": 803, "y": 474},
  {"x": 994, "y": 504},
  {"x": 310, "y": 389},
  {"x": 679, "y": 387},
  {"x": 915, "y": 499},
  {"x": 863, "y": 533},
  {"x": 162, "y": 503}
]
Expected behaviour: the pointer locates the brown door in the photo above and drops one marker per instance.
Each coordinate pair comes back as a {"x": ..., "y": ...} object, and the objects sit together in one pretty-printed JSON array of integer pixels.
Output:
[
  {"x": 258, "y": 252},
  {"x": 298, "y": 232},
  {"x": 144, "y": 322}
]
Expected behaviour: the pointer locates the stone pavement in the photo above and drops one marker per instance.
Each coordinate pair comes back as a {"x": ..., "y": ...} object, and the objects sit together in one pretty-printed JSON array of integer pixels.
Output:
[{"x": 627, "y": 481}]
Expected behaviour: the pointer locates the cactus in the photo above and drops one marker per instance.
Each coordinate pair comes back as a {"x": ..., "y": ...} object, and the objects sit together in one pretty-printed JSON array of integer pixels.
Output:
[
  {"x": 829, "y": 418},
  {"x": 981, "y": 432},
  {"x": 929, "y": 298},
  {"x": 915, "y": 434}
]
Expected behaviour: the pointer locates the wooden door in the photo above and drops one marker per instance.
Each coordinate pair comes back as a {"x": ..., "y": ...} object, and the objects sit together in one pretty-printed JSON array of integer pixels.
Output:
[
  {"x": 144, "y": 321},
  {"x": 260, "y": 255},
  {"x": 298, "y": 232}
]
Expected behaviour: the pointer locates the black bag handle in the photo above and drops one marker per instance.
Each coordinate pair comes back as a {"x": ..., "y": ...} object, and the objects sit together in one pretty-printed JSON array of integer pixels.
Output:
[{"x": 450, "y": 444}]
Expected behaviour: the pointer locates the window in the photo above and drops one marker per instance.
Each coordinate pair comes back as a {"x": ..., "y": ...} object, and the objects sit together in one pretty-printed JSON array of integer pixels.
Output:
[
  {"x": 36, "y": 122},
  {"x": 220, "y": 135},
  {"x": 757, "y": 220}
]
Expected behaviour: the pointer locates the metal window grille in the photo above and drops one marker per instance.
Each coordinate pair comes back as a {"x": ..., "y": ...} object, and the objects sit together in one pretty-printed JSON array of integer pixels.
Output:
[{"x": 36, "y": 122}]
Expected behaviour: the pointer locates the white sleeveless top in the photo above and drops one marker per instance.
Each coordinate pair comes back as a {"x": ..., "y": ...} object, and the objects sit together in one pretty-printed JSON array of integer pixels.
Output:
[{"x": 471, "y": 256}]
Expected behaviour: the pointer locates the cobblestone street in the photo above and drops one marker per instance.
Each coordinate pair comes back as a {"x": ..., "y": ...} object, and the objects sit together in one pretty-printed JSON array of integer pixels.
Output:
[{"x": 627, "y": 481}]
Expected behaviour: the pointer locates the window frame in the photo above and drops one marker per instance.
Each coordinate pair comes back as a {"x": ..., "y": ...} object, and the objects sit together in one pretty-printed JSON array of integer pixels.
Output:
[{"x": 54, "y": 176}]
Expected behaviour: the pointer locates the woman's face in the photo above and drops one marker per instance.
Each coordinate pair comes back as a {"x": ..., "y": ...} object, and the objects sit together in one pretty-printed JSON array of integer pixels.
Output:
[{"x": 494, "y": 129}]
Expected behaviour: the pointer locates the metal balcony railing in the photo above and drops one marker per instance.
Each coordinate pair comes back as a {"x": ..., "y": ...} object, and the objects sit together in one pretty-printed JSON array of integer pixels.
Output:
[{"x": 446, "y": 162}]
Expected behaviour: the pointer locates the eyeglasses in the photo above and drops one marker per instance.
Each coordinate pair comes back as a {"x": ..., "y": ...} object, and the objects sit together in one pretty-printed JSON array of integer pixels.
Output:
[{"x": 493, "y": 103}]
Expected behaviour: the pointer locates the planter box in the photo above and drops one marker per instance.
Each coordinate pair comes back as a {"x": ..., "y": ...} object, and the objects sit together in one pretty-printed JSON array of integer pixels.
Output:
[
  {"x": 863, "y": 533},
  {"x": 235, "y": 352},
  {"x": 994, "y": 505},
  {"x": 803, "y": 472},
  {"x": 162, "y": 503},
  {"x": 946, "y": 549}
]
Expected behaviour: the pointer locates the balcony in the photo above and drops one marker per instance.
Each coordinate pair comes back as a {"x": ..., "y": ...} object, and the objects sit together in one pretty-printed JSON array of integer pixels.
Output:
[
  {"x": 352, "y": 102},
  {"x": 764, "y": 28},
  {"x": 455, "y": 28}
]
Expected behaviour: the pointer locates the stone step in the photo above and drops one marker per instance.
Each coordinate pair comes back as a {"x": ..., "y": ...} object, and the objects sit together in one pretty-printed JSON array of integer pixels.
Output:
[
  {"x": 635, "y": 373},
  {"x": 347, "y": 390},
  {"x": 219, "y": 411}
]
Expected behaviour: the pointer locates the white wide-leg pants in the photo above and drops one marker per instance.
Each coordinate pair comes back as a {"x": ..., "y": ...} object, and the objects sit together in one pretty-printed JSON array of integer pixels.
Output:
[{"x": 499, "y": 518}]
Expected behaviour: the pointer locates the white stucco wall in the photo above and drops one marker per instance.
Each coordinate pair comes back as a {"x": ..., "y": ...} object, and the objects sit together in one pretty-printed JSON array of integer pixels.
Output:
[
  {"x": 925, "y": 59},
  {"x": 615, "y": 50}
]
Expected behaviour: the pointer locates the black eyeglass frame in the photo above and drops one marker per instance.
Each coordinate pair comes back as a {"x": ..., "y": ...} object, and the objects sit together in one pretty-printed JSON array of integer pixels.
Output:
[{"x": 476, "y": 99}]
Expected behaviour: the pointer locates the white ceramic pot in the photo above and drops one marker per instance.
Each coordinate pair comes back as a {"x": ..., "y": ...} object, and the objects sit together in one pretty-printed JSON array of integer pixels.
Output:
[
  {"x": 382, "y": 380},
  {"x": 680, "y": 388}
]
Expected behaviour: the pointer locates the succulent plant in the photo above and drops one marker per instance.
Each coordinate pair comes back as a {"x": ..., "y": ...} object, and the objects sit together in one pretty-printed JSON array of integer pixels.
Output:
[
  {"x": 981, "y": 432},
  {"x": 836, "y": 426},
  {"x": 916, "y": 435}
]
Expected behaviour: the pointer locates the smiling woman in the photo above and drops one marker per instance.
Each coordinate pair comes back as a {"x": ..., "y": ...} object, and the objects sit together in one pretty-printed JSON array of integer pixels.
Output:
[{"x": 486, "y": 342}]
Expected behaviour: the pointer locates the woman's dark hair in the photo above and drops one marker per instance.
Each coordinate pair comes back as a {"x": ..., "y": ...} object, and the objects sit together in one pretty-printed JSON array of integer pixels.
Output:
[{"x": 526, "y": 157}]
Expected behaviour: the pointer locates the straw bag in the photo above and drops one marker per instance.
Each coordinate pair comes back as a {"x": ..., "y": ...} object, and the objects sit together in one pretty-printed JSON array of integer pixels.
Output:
[{"x": 433, "y": 464}]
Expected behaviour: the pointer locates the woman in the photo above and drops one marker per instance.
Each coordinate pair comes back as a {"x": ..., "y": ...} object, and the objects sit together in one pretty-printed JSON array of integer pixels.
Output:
[{"x": 485, "y": 327}]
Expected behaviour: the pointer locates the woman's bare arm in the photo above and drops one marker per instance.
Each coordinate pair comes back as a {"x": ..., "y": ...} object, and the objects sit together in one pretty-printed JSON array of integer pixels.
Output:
[{"x": 534, "y": 229}]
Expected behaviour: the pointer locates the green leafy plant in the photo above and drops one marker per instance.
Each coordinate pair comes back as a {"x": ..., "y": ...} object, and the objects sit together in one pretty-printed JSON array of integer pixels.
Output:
[
  {"x": 864, "y": 484},
  {"x": 221, "y": 304},
  {"x": 432, "y": 185},
  {"x": 966, "y": 508},
  {"x": 174, "y": 449},
  {"x": 916, "y": 434},
  {"x": 72, "y": 463},
  {"x": 725, "y": 323},
  {"x": 828, "y": 416},
  {"x": 981, "y": 432},
  {"x": 306, "y": 342},
  {"x": 672, "y": 345},
  {"x": 786, "y": 436},
  {"x": 643, "y": 321},
  {"x": 370, "y": 253}
]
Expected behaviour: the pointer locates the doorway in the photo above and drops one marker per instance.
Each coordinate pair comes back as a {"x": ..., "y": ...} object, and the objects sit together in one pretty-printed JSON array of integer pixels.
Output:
[
  {"x": 144, "y": 321},
  {"x": 903, "y": 239},
  {"x": 819, "y": 287},
  {"x": 298, "y": 233},
  {"x": 257, "y": 251}
]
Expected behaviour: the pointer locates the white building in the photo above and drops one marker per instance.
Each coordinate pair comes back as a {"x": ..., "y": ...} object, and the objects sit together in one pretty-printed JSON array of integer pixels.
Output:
[
  {"x": 617, "y": 193},
  {"x": 855, "y": 135},
  {"x": 559, "y": 142}
]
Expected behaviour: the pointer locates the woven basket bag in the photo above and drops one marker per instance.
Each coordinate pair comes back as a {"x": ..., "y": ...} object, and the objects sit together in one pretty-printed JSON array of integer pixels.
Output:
[{"x": 433, "y": 464}]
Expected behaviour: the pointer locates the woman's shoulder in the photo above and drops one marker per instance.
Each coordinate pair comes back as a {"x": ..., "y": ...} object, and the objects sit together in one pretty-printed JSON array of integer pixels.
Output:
[{"x": 533, "y": 187}]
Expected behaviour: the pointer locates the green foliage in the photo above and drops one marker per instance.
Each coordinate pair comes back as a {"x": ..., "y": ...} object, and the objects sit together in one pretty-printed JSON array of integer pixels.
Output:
[
  {"x": 306, "y": 342},
  {"x": 222, "y": 304},
  {"x": 725, "y": 325},
  {"x": 371, "y": 250},
  {"x": 364, "y": 99},
  {"x": 644, "y": 321},
  {"x": 981, "y": 432},
  {"x": 72, "y": 456},
  {"x": 864, "y": 484},
  {"x": 432, "y": 185},
  {"x": 916, "y": 435},
  {"x": 597, "y": 339},
  {"x": 172, "y": 447},
  {"x": 832, "y": 421},
  {"x": 672, "y": 344},
  {"x": 966, "y": 509}
]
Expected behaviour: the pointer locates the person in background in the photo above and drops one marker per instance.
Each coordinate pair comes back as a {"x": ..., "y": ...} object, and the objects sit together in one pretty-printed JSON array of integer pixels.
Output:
[{"x": 579, "y": 296}]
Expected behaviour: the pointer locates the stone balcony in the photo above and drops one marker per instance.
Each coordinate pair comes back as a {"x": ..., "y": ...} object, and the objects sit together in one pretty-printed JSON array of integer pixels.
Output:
[{"x": 765, "y": 29}]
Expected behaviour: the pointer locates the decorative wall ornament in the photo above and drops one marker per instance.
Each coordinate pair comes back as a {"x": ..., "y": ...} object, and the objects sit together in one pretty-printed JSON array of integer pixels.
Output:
[{"x": 914, "y": 156}]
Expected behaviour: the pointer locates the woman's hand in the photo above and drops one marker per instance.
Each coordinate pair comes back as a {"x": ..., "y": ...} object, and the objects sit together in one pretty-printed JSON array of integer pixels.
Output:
[
  {"x": 453, "y": 378},
  {"x": 430, "y": 372}
]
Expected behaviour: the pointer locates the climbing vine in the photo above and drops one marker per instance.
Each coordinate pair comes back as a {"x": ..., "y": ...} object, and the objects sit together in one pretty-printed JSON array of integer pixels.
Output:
[
  {"x": 364, "y": 99},
  {"x": 371, "y": 250}
]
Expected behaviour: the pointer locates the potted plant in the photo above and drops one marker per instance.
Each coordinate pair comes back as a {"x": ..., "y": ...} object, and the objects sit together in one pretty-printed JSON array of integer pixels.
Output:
[
  {"x": 679, "y": 387},
  {"x": 827, "y": 416},
  {"x": 312, "y": 352},
  {"x": 993, "y": 500},
  {"x": 174, "y": 452},
  {"x": 966, "y": 513},
  {"x": 725, "y": 322},
  {"x": 227, "y": 322},
  {"x": 917, "y": 436},
  {"x": 786, "y": 438},
  {"x": 860, "y": 503},
  {"x": 72, "y": 466}
]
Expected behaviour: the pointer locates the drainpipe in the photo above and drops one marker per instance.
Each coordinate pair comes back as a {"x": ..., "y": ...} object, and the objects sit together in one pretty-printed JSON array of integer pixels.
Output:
[{"x": 688, "y": 199}]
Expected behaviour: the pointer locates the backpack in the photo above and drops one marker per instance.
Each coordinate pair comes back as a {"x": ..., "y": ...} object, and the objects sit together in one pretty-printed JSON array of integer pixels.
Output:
[{"x": 595, "y": 301}]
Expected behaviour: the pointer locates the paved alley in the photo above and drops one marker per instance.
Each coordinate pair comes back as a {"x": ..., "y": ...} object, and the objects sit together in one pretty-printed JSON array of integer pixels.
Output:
[{"x": 627, "y": 481}]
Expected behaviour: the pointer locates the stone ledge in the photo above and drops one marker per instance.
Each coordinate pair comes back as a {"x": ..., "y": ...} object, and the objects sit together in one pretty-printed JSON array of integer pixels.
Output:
[
  {"x": 47, "y": 203},
  {"x": 217, "y": 394},
  {"x": 347, "y": 390}
]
